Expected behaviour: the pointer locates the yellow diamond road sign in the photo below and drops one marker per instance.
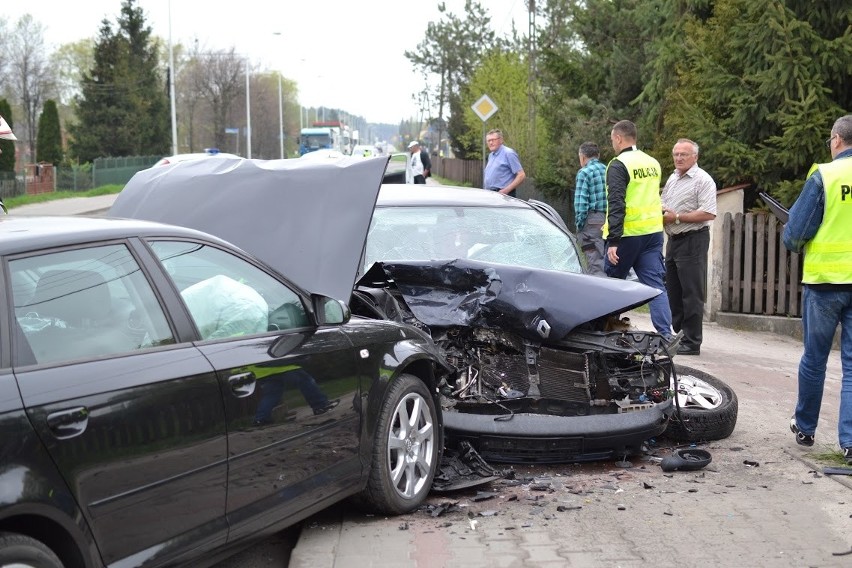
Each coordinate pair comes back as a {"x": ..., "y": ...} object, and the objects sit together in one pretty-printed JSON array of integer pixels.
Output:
[{"x": 484, "y": 107}]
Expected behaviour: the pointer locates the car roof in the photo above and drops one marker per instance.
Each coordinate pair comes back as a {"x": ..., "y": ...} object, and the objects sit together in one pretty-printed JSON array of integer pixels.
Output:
[
  {"x": 25, "y": 233},
  {"x": 409, "y": 195},
  {"x": 166, "y": 160}
]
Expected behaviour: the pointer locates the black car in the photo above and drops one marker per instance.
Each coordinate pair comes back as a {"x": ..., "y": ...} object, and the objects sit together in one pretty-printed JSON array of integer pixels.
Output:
[
  {"x": 542, "y": 368},
  {"x": 166, "y": 397}
]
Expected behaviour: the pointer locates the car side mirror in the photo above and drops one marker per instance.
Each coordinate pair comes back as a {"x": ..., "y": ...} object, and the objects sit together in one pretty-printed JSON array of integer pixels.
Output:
[{"x": 330, "y": 311}]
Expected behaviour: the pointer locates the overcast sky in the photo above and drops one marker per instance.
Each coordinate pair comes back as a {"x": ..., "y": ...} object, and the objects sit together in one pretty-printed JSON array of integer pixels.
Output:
[{"x": 343, "y": 53}]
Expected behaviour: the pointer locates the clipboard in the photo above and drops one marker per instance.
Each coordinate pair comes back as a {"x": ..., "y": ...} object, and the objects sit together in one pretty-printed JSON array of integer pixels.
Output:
[{"x": 777, "y": 209}]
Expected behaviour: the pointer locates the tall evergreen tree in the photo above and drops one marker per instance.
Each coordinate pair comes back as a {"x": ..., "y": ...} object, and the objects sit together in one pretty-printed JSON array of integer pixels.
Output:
[
  {"x": 49, "y": 144},
  {"x": 7, "y": 158},
  {"x": 123, "y": 109},
  {"x": 762, "y": 81}
]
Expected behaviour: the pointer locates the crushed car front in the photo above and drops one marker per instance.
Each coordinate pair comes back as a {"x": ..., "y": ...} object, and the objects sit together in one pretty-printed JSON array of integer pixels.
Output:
[{"x": 543, "y": 368}]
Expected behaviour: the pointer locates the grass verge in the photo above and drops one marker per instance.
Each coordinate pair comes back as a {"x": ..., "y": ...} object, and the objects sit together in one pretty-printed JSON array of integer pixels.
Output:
[{"x": 19, "y": 200}]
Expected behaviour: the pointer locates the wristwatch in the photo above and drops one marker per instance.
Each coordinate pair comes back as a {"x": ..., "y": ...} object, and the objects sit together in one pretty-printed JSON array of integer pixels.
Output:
[{"x": 677, "y": 218}]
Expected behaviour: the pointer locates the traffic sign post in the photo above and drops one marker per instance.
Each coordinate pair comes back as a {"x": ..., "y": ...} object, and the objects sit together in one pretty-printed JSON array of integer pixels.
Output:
[{"x": 484, "y": 108}]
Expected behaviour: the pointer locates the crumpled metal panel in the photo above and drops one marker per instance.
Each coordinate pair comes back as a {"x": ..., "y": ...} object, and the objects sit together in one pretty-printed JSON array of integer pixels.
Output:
[{"x": 541, "y": 305}]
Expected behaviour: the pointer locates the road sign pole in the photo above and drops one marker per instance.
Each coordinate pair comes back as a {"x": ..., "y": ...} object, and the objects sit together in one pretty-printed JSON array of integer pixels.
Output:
[
  {"x": 483, "y": 152},
  {"x": 484, "y": 109}
]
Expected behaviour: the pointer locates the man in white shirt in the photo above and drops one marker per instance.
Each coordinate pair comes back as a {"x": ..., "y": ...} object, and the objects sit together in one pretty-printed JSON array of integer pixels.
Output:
[
  {"x": 689, "y": 208},
  {"x": 414, "y": 164}
]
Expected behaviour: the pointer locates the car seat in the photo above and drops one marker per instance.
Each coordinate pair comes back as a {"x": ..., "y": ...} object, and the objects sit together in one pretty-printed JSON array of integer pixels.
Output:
[{"x": 75, "y": 308}]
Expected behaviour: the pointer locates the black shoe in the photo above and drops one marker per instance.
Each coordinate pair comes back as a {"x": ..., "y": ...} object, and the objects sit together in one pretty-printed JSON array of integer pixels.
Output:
[
  {"x": 806, "y": 439},
  {"x": 687, "y": 350},
  {"x": 847, "y": 455},
  {"x": 326, "y": 408}
]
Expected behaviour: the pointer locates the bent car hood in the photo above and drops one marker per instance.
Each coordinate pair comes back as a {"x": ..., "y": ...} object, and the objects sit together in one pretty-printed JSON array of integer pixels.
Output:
[
  {"x": 542, "y": 305},
  {"x": 307, "y": 219}
]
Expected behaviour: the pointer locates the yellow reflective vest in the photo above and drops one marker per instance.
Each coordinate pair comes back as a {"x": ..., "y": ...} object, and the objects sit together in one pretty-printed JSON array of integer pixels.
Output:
[
  {"x": 642, "y": 208},
  {"x": 828, "y": 256}
]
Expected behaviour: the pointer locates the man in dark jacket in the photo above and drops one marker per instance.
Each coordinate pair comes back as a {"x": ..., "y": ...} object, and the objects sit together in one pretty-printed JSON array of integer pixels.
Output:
[{"x": 427, "y": 162}]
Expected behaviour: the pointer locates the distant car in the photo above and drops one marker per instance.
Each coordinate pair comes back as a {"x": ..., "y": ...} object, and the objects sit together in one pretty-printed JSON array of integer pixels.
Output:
[
  {"x": 366, "y": 151},
  {"x": 165, "y": 397},
  {"x": 322, "y": 154},
  {"x": 207, "y": 153},
  {"x": 542, "y": 369}
]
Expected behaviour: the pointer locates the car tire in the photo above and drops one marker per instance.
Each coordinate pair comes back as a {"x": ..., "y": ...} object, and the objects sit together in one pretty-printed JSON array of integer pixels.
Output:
[
  {"x": 406, "y": 449},
  {"x": 694, "y": 424},
  {"x": 25, "y": 552}
]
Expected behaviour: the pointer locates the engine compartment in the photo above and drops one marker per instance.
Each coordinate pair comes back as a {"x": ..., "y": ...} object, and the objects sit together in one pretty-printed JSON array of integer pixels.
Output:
[{"x": 590, "y": 371}]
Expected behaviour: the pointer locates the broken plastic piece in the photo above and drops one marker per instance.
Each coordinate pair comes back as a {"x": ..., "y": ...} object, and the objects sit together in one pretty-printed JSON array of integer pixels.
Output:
[
  {"x": 686, "y": 460},
  {"x": 462, "y": 470},
  {"x": 837, "y": 470}
]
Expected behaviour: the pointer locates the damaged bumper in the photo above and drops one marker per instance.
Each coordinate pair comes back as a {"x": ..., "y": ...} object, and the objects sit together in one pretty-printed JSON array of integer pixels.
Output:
[{"x": 532, "y": 438}]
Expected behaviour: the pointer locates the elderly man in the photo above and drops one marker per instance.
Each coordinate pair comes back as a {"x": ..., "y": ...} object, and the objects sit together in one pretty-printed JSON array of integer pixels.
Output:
[
  {"x": 503, "y": 172},
  {"x": 689, "y": 207},
  {"x": 414, "y": 164}
]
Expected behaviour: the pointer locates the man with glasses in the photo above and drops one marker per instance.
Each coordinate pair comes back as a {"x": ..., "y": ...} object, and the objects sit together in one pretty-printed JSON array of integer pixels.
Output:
[
  {"x": 689, "y": 207},
  {"x": 820, "y": 223},
  {"x": 503, "y": 172}
]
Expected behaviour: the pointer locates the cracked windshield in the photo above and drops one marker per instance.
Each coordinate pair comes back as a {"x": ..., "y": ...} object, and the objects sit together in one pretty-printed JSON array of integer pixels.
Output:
[{"x": 520, "y": 237}]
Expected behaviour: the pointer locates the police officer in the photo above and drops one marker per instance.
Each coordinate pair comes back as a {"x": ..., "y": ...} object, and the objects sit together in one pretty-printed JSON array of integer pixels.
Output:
[
  {"x": 634, "y": 227},
  {"x": 821, "y": 223}
]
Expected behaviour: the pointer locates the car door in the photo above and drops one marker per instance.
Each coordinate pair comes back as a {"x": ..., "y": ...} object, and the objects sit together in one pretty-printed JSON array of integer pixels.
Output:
[
  {"x": 290, "y": 387},
  {"x": 132, "y": 416}
]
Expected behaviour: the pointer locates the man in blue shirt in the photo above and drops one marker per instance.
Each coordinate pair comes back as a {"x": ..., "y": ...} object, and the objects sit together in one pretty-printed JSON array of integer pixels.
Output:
[
  {"x": 821, "y": 223},
  {"x": 503, "y": 172},
  {"x": 590, "y": 206}
]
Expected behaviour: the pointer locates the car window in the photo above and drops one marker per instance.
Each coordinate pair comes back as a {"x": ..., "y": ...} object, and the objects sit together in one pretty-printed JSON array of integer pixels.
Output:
[
  {"x": 84, "y": 303},
  {"x": 227, "y": 296},
  {"x": 520, "y": 237}
]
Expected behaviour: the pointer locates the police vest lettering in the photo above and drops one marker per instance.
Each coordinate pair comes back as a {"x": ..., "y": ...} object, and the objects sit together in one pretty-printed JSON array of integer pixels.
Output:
[{"x": 646, "y": 173}]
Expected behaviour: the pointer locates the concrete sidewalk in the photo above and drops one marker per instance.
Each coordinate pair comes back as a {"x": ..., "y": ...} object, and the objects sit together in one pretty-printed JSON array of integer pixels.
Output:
[{"x": 763, "y": 500}]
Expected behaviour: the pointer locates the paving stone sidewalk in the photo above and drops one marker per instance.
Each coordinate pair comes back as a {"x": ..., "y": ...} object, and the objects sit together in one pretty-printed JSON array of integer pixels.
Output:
[{"x": 763, "y": 501}]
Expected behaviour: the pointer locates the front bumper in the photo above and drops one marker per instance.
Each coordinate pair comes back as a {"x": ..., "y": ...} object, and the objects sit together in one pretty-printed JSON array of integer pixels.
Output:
[{"x": 533, "y": 438}]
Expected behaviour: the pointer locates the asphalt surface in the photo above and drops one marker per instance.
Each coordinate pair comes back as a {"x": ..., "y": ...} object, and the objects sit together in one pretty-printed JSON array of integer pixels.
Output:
[{"x": 762, "y": 501}]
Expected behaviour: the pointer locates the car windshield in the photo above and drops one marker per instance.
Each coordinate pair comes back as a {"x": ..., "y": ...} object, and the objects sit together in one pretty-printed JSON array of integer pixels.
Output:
[{"x": 519, "y": 237}]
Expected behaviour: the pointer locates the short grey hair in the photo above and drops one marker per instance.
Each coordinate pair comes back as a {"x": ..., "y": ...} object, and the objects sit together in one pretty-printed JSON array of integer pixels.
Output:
[
  {"x": 843, "y": 128},
  {"x": 688, "y": 141}
]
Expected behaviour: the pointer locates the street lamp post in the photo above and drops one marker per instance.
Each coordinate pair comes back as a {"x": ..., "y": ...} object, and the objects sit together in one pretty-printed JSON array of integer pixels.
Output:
[
  {"x": 248, "y": 111},
  {"x": 172, "y": 86},
  {"x": 280, "y": 117}
]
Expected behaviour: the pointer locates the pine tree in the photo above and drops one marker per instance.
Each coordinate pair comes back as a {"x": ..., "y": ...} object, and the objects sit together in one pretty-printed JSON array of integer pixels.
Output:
[
  {"x": 123, "y": 109},
  {"x": 762, "y": 81},
  {"x": 49, "y": 142}
]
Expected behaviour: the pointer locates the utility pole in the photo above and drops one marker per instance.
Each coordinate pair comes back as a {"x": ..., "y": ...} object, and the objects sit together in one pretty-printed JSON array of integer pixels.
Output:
[{"x": 531, "y": 81}]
